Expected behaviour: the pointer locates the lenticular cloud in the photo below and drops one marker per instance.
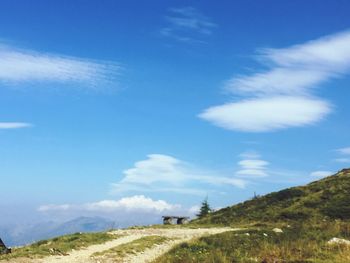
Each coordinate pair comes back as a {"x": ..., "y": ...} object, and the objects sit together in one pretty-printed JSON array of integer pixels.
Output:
[
  {"x": 282, "y": 97},
  {"x": 266, "y": 114}
]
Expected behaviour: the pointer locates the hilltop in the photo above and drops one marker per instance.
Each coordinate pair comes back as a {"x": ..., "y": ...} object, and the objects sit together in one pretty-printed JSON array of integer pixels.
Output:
[{"x": 328, "y": 198}]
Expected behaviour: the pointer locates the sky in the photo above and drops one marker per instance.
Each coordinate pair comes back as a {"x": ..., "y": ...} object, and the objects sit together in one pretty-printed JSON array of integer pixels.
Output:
[{"x": 148, "y": 107}]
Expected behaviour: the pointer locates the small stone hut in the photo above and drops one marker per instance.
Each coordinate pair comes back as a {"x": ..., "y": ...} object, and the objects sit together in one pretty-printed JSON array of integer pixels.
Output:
[{"x": 180, "y": 220}]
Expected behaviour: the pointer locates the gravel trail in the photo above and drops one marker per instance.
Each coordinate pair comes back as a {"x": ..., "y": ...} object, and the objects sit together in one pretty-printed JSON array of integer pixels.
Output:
[{"x": 176, "y": 236}]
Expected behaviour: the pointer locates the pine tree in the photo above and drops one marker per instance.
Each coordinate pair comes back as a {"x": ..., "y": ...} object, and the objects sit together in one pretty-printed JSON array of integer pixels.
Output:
[{"x": 205, "y": 209}]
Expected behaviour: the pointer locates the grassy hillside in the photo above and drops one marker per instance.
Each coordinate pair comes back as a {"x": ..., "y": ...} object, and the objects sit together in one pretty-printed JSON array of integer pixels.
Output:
[
  {"x": 59, "y": 245},
  {"x": 308, "y": 217},
  {"x": 328, "y": 198},
  {"x": 298, "y": 243}
]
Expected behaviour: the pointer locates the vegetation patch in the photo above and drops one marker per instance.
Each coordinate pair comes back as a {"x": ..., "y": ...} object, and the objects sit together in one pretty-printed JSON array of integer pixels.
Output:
[
  {"x": 59, "y": 245},
  {"x": 134, "y": 247},
  {"x": 328, "y": 199},
  {"x": 299, "y": 243}
]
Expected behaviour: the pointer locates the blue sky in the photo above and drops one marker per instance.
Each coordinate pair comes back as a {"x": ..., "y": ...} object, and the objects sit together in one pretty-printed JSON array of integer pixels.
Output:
[{"x": 114, "y": 106}]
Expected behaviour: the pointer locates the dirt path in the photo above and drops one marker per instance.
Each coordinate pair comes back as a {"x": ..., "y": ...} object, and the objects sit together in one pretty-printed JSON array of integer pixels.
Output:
[
  {"x": 178, "y": 235},
  {"x": 182, "y": 235},
  {"x": 83, "y": 255}
]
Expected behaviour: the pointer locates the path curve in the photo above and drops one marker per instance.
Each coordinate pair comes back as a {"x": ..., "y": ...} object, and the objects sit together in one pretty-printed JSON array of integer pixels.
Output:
[
  {"x": 151, "y": 254},
  {"x": 177, "y": 235},
  {"x": 83, "y": 255}
]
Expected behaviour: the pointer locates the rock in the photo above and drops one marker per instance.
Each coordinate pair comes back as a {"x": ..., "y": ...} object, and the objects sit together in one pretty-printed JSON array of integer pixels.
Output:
[
  {"x": 3, "y": 248},
  {"x": 55, "y": 251},
  {"x": 335, "y": 241},
  {"x": 277, "y": 230}
]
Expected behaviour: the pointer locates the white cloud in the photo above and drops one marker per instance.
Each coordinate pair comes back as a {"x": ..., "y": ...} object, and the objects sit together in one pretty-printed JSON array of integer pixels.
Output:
[
  {"x": 23, "y": 65},
  {"x": 250, "y": 155},
  {"x": 220, "y": 180},
  {"x": 132, "y": 203},
  {"x": 163, "y": 173},
  {"x": 278, "y": 81},
  {"x": 127, "y": 211},
  {"x": 187, "y": 24},
  {"x": 253, "y": 164},
  {"x": 157, "y": 168},
  {"x": 14, "y": 125},
  {"x": 137, "y": 202},
  {"x": 342, "y": 160},
  {"x": 194, "y": 210},
  {"x": 266, "y": 114},
  {"x": 252, "y": 173},
  {"x": 281, "y": 97},
  {"x": 191, "y": 18},
  {"x": 321, "y": 173},
  {"x": 345, "y": 151},
  {"x": 64, "y": 207},
  {"x": 253, "y": 167},
  {"x": 330, "y": 53}
]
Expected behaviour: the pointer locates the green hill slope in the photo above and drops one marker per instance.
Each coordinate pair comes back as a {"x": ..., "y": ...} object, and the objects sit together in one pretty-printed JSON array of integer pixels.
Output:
[
  {"x": 294, "y": 225},
  {"x": 326, "y": 198}
]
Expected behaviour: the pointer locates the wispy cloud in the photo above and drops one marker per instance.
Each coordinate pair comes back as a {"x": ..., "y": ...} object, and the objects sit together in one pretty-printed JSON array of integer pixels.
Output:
[
  {"x": 342, "y": 160},
  {"x": 252, "y": 166},
  {"x": 163, "y": 173},
  {"x": 345, "y": 151},
  {"x": 282, "y": 97},
  {"x": 250, "y": 155},
  {"x": 14, "y": 125},
  {"x": 187, "y": 24},
  {"x": 20, "y": 66},
  {"x": 345, "y": 155},
  {"x": 321, "y": 173}
]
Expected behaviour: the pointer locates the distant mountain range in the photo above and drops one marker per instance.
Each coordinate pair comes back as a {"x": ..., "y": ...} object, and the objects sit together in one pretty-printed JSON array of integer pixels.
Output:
[{"x": 23, "y": 234}]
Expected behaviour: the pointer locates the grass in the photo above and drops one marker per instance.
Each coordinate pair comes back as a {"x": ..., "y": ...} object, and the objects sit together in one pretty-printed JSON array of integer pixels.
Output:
[
  {"x": 299, "y": 243},
  {"x": 328, "y": 198},
  {"x": 133, "y": 247},
  {"x": 309, "y": 216},
  {"x": 59, "y": 245}
]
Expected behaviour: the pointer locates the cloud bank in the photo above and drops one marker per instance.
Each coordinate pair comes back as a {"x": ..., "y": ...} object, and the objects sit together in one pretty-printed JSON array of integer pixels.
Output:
[
  {"x": 126, "y": 204},
  {"x": 282, "y": 97},
  {"x": 127, "y": 211}
]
